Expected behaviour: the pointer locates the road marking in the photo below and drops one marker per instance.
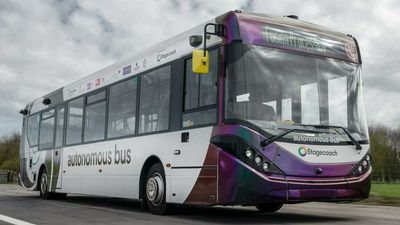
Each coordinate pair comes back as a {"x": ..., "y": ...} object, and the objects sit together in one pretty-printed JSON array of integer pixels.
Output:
[{"x": 11, "y": 220}]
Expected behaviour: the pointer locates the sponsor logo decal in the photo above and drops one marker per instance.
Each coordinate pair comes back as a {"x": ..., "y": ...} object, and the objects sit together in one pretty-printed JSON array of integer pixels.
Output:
[
  {"x": 304, "y": 151},
  {"x": 137, "y": 67},
  {"x": 126, "y": 70},
  {"x": 99, "y": 81}
]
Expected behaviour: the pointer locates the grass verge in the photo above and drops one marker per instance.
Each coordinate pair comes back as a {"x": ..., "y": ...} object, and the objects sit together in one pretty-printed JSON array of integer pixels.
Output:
[{"x": 383, "y": 194}]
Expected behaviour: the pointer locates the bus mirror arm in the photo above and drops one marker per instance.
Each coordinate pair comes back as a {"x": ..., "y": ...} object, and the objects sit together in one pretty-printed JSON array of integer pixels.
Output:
[{"x": 219, "y": 31}]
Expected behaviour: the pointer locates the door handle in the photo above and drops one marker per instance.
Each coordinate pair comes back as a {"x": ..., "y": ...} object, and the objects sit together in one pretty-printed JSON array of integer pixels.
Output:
[{"x": 177, "y": 152}]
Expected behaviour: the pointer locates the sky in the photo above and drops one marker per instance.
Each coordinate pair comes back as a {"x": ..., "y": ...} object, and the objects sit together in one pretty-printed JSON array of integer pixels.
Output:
[{"x": 47, "y": 44}]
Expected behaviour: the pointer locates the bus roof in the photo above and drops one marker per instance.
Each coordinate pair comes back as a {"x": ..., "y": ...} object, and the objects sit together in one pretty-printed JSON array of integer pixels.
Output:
[{"x": 248, "y": 28}]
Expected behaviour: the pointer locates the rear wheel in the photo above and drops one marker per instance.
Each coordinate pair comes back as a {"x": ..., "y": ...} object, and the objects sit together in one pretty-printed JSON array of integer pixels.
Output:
[
  {"x": 44, "y": 185},
  {"x": 269, "y": 207},
  {"x": 155, "y": 191},
  {"x": 44, "y": 188}
]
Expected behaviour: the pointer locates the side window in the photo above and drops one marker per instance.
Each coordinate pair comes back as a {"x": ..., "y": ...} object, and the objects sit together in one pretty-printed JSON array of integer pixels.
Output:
[
  {"x": 154, "y": 100},
  {"x": 59, "y": 127},
  {"x": 200, "y": 91},
  {"x": 95, "y": 117},
  {"x": 74, "y": 121},
  {"x": 33, "y": 130},
  {"x": 122, "y": 109},
  {"x": 46, "y": 140}
]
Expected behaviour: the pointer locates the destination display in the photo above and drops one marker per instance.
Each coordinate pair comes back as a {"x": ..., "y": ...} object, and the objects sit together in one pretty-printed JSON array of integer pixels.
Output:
[{"x": 300, "y": 40}]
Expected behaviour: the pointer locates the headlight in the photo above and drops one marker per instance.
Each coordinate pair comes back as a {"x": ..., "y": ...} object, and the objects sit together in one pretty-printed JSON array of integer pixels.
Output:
[
  {"x": 249, "y": 153},
  {"x": 368, "y": 157},
  {"x": 258, "y": 159},
  {"x": 365, "y": 163},
  {"x": 360, "y": 169}
]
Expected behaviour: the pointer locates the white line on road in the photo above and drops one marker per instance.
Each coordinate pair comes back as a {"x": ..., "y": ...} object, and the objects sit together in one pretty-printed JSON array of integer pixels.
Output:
[{"x": 13, "y": 221}]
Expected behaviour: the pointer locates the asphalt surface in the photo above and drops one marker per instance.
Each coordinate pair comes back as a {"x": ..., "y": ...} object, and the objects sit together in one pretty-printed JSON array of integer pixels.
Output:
[{"x": 28, "y": 207}]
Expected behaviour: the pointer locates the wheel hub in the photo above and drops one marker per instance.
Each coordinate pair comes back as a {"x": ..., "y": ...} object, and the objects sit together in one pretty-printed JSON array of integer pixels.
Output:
[
  {"x": 155, "y": 189},
  {"x": 43, "y": 184}
]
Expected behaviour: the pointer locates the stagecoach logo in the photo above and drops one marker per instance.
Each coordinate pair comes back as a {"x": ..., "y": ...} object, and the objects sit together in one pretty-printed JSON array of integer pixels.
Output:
[
  {"x": 303, "y": 151},
  {"x": 161, "y": 56}
]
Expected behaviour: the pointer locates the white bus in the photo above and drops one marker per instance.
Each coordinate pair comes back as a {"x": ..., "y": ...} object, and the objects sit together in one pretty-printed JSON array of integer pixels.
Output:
[{"x": 271, "y": 113}]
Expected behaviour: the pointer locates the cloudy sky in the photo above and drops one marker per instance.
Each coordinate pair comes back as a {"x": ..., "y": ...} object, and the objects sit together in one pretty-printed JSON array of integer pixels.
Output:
[{"x": 47, "y": 44}]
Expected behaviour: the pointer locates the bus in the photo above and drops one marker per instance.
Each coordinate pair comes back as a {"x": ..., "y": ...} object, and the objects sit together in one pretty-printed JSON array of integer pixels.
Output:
[{"x": 245, "y": 109}]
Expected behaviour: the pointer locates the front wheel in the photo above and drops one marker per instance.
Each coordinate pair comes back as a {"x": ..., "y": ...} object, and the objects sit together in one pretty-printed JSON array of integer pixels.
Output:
[
  {"x": 269, "y": 207},
  {"x": 155, "y": 190}
]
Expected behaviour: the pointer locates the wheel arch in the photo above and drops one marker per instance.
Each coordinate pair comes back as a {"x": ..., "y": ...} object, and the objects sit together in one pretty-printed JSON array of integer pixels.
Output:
[{"x": 150, "y": 161}]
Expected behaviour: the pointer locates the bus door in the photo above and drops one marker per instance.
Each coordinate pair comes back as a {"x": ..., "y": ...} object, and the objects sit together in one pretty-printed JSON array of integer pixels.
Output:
[
  {"x": 56, "y": 176},
  {"x": 57, "y": 169},
  {"x": 198, "y": 118}
]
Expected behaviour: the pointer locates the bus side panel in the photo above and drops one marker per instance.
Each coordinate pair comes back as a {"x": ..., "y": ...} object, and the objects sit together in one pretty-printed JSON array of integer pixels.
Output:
[
  {"x": 187, "y": 163},
  {"x": 112, "y": 168},
  {"x": 204, "y": 191}
]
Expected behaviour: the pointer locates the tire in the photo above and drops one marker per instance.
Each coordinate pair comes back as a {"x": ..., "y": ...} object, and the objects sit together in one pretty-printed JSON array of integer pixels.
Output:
[
  {"x": 44, "y": 185},
  {"x": 269, "y": 207},
  {"x": 155, "y": 191}
]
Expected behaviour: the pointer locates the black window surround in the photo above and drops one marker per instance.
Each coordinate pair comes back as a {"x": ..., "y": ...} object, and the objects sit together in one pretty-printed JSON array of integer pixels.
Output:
[
  {"x": 201, "y": 108},
  {"x": 176, "y": 76}
]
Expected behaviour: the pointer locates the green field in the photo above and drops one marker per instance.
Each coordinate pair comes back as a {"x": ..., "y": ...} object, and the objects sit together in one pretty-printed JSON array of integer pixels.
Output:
[
  {"x": 384, "y": 194},
  {"x": 385, "y": 190}
]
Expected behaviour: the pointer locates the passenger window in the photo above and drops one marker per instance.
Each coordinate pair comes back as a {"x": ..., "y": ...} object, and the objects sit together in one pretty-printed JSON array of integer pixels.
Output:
[
  {"x": 47, "y": 130},
  {"x": 155, "y": 100},
  {"x": 95, "y": 117},
  {"x": 59, "y": 127},
  {"x": 33, "y": 130},
  {"x": 74, "y": 121},
  {"x": 200, "y": 91},
  {"x": 122, "y": 109}
]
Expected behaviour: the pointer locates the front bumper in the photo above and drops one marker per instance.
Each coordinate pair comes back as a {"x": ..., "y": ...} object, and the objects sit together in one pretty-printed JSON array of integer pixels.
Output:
[{"x": 242, "y": 185}]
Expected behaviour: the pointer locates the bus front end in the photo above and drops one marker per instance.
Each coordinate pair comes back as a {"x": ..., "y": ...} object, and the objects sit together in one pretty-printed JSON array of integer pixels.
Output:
[{"x": 294, "y": 128}]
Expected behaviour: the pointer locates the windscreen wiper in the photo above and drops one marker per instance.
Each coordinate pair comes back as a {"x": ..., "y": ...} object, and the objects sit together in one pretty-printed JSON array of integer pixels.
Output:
[
  {"x": 282, "y": 134},
  {"x": 352, "y": 139}
]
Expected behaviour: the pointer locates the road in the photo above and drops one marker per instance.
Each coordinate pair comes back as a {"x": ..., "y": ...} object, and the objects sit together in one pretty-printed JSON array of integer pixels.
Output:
[{"x": 26, "y": 206}]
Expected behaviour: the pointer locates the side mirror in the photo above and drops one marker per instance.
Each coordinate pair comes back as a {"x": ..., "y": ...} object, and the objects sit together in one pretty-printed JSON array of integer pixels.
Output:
[{"x": 199, "y": 61}]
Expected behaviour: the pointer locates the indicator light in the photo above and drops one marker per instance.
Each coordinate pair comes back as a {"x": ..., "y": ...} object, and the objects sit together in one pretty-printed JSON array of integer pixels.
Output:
[{"x": 266, "y": 166}]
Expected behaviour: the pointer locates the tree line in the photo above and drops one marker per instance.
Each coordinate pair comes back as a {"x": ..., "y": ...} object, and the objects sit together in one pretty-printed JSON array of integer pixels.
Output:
[
  {"x": 9, "y": 152},
  {"x": 385, "y": 151}
]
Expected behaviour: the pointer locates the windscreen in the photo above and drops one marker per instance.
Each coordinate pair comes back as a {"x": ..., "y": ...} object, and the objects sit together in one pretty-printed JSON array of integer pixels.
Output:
[{"x": 277, "y": 90}]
